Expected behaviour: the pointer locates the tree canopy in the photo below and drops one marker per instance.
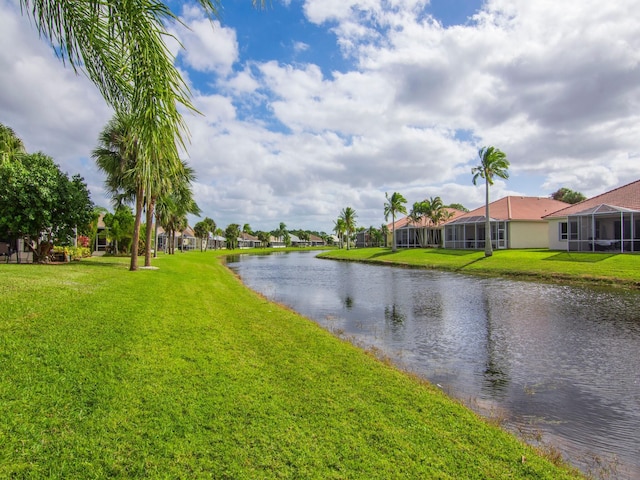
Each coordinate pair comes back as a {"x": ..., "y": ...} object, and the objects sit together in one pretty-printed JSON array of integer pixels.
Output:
[
  {"x": 568, "y": 196},
  {"x": 40, "y": 201}
]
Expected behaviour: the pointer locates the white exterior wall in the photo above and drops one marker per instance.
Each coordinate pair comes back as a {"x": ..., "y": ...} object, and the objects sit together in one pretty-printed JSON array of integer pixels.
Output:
[
  {"x": 554, "y": 234},
  {"x": 528, "y": 234}
]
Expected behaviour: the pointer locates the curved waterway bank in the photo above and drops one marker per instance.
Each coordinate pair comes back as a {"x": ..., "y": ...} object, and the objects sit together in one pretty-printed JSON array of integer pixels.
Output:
[{"x": 558, "y": 364}]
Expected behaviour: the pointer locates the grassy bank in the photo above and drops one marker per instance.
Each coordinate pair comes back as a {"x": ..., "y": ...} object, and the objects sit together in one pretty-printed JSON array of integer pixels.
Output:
[
  {"x": 181, "y": 372},
  {"x": 599, "y": 268}
]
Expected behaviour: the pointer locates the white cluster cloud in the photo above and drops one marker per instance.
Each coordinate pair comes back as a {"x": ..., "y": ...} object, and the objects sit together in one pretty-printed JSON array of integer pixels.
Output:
[{"x": 556, "y": 85}]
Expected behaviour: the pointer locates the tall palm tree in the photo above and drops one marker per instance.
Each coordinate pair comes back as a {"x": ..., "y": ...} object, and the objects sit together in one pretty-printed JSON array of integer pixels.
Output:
[
  {"x": 121, "y": 46},
  {"x": 118, "y": 156},
  {"x": 493, "y": 163},
  {"x": 349, "y": 216},
  {"x": 395, "y": 204},
  {"x": 175, "y": 181}
]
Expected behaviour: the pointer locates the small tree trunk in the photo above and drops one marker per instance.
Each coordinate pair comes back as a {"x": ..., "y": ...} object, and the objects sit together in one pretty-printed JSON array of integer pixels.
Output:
[
  {"x": 488, "y": 248},
  {"x": 149, "y": 228},
  {"x": 136, "y": 230}
]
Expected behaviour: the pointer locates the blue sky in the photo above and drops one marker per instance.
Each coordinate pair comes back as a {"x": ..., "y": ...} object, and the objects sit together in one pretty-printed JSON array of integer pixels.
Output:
[{"x": 311, "y": 106}]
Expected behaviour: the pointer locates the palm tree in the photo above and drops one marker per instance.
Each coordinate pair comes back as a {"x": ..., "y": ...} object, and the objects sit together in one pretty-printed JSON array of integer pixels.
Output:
[
  {"x": 117, "y": 155},
  {"x": 395, "y": 204},
  {"x": 339, "y": 229},
  {"x": 437, "y": 213},
  {"x": 417, "y": 213},
  {"x": 493, "y": 163},
  {"x": 121, "y": 47},
  {"x": 349, "y": 216},
  {"x": 384, "y": 230},
  {"x": 10, "y": 144}
]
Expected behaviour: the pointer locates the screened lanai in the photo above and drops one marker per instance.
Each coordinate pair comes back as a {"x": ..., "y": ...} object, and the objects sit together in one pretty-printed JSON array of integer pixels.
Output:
[
  {"x": 469, "y": 233},
  {"x": 603, "y": 228}
]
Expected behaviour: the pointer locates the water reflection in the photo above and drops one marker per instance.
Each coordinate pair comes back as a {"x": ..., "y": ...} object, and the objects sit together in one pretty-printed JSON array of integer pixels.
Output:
[{"x": 562, "y": 361}]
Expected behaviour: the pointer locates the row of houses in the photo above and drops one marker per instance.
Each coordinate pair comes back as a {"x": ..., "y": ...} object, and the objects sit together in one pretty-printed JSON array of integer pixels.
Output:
[
  {"x": 606, "y": 222},
  {"x": 187, "y": 240}
]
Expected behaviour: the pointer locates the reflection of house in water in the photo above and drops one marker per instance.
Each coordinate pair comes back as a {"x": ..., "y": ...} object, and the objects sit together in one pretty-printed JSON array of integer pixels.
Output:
[{"x": 606, "y": 222}]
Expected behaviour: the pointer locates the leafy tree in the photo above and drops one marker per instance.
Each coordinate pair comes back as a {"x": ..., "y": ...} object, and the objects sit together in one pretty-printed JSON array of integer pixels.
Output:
[
  {"x": 348, "y": 216},
  {"x": 246, "y": 228},
  {"x": 384, "y": 230},
  {"x": 493, "y": 163},
  {"x": 40, "y": 201},
  {"x": 231, "y": 233},
  {"x": 395, "y": 204},
  {"x": 458, "y": 206},
  {"x": 568, "y": 196}
]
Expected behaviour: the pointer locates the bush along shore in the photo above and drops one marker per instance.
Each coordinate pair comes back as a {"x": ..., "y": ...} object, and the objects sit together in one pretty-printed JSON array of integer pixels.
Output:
[
  {"x": 619, "y": 270},
  {"x": 182, "y": 372}
]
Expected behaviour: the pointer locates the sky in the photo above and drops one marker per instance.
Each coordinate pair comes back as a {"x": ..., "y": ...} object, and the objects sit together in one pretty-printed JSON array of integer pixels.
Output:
[{"x": 311, "y": 106}]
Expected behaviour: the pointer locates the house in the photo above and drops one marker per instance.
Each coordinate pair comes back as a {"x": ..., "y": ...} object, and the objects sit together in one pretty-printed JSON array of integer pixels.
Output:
[
  {"x": 516, "y": 222},
  {"x": 102, "y": 232},
  {"x": 607, "y": 222},
  {"x": 277, "y": 242},
  {"x": 316, "y": 241},
  {"x": 246, "y": 240},
  {"x": 422, "y": 234}
]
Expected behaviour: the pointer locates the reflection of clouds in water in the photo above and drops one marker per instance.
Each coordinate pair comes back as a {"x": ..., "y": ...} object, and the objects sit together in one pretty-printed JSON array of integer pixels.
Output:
[{"x": 556, "y": 353}]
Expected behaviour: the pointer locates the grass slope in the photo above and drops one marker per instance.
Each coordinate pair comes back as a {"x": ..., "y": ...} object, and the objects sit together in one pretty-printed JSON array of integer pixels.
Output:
[
  {"x": 604, "y": 268},
  {"x": 182, "y": 372}
]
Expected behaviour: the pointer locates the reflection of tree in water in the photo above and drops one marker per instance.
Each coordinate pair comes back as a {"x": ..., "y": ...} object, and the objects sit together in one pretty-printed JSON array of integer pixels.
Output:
[
  {"x": 348, "y": 301},
  {"x": 394, "y": 315},
  {"x": 496, "y": 378}
]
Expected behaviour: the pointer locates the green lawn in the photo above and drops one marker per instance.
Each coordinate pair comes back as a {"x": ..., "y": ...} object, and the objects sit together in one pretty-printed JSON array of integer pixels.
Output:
[
  {"x": 181, "y": 372},
  {"x": 607, "y": 268}
]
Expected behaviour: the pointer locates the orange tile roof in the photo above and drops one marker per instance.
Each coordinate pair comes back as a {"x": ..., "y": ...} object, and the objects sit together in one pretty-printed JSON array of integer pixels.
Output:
[
  {"x": 517, "y": 208},
  {"x": 627, "y": 196}
]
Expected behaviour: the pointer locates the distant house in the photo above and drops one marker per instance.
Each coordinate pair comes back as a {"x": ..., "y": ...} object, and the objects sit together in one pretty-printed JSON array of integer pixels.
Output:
[
  {"x": 277, "y": 242},
  {"x": 516, "y": 222},
  {"x": 606, "y": 222},
  {"x": 316, "y": 241},
  {"x": 246, "y": 240},
  {"x": 422, "y": 234}
]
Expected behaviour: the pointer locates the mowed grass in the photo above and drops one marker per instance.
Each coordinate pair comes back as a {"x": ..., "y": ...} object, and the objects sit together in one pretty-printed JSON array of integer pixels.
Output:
[
  {"x": 606, "y": 268},
  {"x": 182, "y": 372}
]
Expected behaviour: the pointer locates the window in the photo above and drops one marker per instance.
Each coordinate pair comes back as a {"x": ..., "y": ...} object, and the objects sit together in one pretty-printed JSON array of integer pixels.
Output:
[{"x": 563, "y": 231}]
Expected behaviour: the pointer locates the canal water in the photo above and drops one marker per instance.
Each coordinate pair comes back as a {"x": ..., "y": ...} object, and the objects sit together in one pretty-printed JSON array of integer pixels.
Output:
[{"x": 559, "y": 365}]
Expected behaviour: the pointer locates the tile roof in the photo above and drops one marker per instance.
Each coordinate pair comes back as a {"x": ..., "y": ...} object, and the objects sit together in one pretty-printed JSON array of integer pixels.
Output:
[
  {"x": 514, "y": 208},
  {"x": 627, "y": 197}
]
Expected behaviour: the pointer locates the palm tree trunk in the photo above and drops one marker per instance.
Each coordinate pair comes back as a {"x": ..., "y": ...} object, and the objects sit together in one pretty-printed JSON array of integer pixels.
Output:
[
  {"x": 136, "y": 230},
  {"x": 393, "y": 233},
  {"x": 488, "y": 248},
  {"x": 149, "y": 229}
]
